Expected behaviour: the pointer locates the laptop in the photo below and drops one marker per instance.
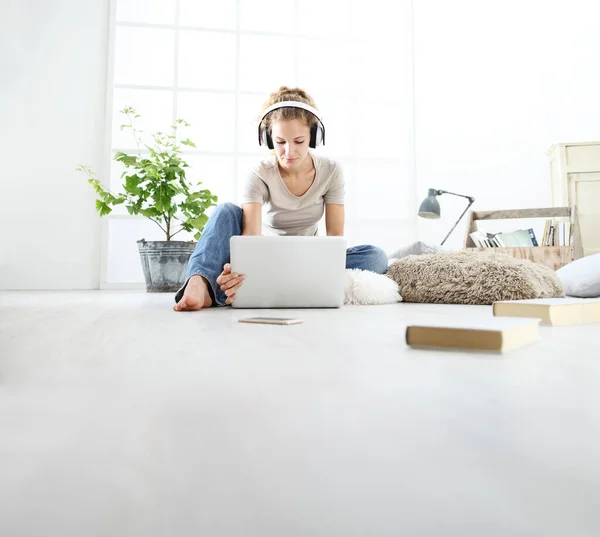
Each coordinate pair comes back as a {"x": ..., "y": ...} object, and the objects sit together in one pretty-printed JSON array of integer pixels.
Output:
[{"x": 289, "y": 272}]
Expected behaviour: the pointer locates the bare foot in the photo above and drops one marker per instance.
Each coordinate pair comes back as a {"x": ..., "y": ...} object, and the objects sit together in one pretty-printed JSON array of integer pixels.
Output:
[{"x": 195, "y": 296}]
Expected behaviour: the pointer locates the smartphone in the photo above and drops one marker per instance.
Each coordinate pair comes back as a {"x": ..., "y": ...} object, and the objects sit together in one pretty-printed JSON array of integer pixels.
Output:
[{"x": 271, "y": 320}]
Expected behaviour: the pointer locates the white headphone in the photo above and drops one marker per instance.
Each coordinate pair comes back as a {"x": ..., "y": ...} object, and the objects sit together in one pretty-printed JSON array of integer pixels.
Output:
[{"x": 317, "y": 132}]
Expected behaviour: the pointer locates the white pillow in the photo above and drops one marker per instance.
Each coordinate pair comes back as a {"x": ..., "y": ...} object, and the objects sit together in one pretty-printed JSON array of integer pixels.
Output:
[
  {"x": 369, "y": 288},
  {"x": 581, "y": 278}
]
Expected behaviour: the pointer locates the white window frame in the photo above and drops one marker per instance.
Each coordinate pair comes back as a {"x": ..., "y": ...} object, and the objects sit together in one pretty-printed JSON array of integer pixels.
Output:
[{"x": 109, "y": 150}]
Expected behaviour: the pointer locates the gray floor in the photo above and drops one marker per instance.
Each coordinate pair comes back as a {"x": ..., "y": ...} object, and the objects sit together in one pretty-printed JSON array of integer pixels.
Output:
[{"x": 120, "y": 417}]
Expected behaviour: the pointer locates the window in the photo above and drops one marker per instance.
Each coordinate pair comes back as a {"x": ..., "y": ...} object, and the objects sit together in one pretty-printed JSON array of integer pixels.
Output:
[{"x": 214, "y": 63}]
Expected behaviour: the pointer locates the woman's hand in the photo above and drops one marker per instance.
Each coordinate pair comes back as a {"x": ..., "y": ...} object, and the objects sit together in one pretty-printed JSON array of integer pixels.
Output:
[{"x": 229, "y": 283}]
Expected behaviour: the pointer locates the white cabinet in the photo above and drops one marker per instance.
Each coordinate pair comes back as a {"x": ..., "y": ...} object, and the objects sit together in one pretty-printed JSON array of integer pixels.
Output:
[{"x": 575, "y": 182}]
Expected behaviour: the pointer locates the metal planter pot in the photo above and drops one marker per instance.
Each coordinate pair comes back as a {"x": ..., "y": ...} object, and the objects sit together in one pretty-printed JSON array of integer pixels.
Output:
[{"x": 165, "y": 264}]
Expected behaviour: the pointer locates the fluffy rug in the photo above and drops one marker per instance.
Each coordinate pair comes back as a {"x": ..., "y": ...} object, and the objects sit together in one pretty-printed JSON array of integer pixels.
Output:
[
  {"x": 472, "y": 278},
  {"x": 368, "y": 288}
]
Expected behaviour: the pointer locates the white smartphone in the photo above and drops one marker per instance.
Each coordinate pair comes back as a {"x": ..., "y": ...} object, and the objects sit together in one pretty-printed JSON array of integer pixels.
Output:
[{"x": 271, "y": 320}]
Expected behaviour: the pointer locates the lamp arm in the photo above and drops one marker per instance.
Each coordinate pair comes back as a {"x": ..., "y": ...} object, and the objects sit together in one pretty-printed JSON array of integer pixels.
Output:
[{"x": 471, "y": 200}]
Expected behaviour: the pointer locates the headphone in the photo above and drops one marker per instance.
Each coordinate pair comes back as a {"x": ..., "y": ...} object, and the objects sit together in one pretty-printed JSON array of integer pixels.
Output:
[{"x": 317, "y": 132}]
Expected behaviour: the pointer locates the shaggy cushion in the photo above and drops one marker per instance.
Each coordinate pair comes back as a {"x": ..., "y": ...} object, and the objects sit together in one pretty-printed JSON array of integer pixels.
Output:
[
  {"x": 472, "y": 278},
  {"x": 581, "y": 278},
  {"x": 366, "y": 287}
]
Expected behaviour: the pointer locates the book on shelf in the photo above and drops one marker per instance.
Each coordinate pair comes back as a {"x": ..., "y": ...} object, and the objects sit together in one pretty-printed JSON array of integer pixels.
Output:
[
  {"x": 557, "y": 233},
  {"x": 515, "y": 239},
  {"x": 534, "y": 241},
  {"x": 552, "y": 311},
  {"x": 498, "y": 334}
]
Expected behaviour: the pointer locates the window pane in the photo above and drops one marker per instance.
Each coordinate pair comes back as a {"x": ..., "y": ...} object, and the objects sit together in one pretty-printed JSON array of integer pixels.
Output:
[
  {"x": 382, "y": 63},
  {"x": 381, "y": 190},
  {"x": 155, "y": 108},
  {"x": 267, "y": 15},
  {"x": 250, "y": 107},
  {"x": 383, "y": 129},
  {"x": 379, "y": 17},
  {"x": 212, "y": 118},
  {"x": 266, "y": 63},
  {"x": 216, "y": 173},
  {"x": 339, "y": 118},
  {"x": 206, "y": 60},
  {"x": 149, "y": 11},
  {"x": 144, "y": 56},
  {"x": 208, "y": 13},
  {"x": 325, "y": 67},
  {"x": 389, "y": 234},
  {"x": 326, "y": 19}
]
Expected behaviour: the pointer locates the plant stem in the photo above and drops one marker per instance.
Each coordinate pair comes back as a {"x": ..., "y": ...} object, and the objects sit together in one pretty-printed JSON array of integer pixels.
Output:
[
  {"x": 157, "y": 224},
  {"x": 137, "y": 143}
]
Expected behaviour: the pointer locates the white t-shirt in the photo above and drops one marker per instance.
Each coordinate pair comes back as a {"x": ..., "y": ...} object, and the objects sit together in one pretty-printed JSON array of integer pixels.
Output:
[{"x": 287, "y": 214}]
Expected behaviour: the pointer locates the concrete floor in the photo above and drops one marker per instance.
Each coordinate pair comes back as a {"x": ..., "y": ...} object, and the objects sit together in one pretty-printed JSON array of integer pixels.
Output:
[{"x": 122, "y": 418}]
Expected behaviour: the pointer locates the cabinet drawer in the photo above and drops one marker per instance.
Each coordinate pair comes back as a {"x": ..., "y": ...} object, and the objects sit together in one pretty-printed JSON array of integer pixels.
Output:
[{"x": 583, "y": 158}]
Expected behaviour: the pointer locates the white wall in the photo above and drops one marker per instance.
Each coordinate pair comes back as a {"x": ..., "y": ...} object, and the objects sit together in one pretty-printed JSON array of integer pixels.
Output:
[
  {"x": 52, "y": 98},
  {"x": 496, "y": 84}
]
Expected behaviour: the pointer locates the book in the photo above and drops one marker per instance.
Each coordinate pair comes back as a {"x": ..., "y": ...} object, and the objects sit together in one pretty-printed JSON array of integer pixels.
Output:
[
  {"x": 561, "y": 234},
  {"x": 516, "y": 239},
  {"x": 534, "y": 241},
  {"x": 545, "y": 234},
  {"x": 499, "y": 334},
  {"x": 477, "y": 238},
  {"x": 552, "y": 311}
]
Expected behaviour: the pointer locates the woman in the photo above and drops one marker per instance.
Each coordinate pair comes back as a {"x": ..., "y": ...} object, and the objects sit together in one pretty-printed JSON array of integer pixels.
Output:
[{"x": 296, "y": 187}]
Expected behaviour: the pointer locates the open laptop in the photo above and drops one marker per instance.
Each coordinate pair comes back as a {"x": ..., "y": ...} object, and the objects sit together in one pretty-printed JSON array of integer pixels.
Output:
[{"x": 289, "y": 272}]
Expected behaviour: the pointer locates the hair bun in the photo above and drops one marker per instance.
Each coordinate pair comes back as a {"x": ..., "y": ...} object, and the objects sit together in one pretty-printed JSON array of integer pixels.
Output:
[{"x": 284, "y": 93}]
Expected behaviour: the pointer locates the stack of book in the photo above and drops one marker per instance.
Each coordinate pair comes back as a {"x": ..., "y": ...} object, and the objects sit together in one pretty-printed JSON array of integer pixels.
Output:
[
  {"x": 514, "y": 324},
  {"x": 557, "y": 233}
]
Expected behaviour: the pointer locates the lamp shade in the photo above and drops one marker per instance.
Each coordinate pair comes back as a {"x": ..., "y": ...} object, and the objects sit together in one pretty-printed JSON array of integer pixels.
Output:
[{"x": 430, "y": 207}]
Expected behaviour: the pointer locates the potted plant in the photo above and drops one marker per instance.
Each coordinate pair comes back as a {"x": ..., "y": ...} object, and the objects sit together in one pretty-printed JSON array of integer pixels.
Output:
[{"x": 155, "y": 186}]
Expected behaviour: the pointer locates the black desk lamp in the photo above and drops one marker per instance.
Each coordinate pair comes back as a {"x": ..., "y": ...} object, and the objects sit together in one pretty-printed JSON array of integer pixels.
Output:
[{"x": 430, "y": 208}]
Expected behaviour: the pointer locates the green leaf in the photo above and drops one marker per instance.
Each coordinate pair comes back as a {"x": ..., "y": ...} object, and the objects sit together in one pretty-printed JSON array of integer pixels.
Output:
[
  {"x": 102, "y": 208},
  {"x": 200, "y": 221},
  {"x": 150, "y": 212},
  {"x": 128, "y": 160},
  {"x": 132, "y": 183}
]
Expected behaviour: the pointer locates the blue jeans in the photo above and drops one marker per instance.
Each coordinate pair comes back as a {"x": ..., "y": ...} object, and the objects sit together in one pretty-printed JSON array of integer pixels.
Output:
[{"x": 212, "y": 252}]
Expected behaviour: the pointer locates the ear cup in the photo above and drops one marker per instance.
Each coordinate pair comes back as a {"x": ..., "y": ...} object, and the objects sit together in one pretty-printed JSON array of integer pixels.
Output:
[
  {"x": 268, "y": 139},
  {"x": 316, "y": 136},
  {"x": 264, "y": 138},
  {"x": 313, "y": 137}
]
